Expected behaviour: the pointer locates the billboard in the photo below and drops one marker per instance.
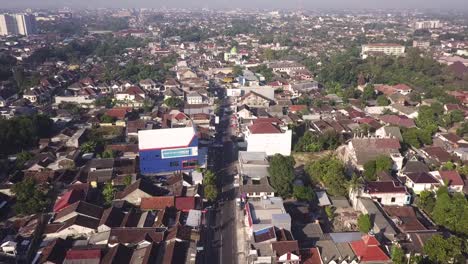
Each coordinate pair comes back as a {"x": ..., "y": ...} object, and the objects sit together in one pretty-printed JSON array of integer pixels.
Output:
[{"x": 179, "y": 153}]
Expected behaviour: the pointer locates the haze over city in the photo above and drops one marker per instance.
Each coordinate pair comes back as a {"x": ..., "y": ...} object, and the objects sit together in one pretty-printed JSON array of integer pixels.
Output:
[{"x": 221, "y": 4}]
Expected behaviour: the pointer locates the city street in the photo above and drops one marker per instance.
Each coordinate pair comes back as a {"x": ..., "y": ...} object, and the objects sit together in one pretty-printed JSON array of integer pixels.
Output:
[{"x": 221, "y": 237}]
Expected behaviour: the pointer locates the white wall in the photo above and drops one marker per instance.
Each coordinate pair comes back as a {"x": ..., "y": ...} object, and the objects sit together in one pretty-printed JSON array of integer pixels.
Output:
[{"x": 271, "y": 144}]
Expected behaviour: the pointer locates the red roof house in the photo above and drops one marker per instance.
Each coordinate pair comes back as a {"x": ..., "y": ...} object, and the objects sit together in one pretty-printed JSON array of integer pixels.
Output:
[
  {"x": 368, "y": 250},
  {"x": 68, "y": 198}
]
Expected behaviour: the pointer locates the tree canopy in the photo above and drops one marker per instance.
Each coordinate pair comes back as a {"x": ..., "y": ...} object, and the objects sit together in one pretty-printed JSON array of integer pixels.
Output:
[
  {"x": 29, "y": 198},
  {"x": 311, "y": 142},
  {"x": 282, "y": 174},
  {"x": 330, "y": 172},
  {"x": 364, "y": 223},
  {"x": 23, "y": 132},
  {"x": 442, "y": 250}
]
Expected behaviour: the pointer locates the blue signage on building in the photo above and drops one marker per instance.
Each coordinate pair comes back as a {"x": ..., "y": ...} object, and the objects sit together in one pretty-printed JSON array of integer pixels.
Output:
[{"x": 176, "y": 153}]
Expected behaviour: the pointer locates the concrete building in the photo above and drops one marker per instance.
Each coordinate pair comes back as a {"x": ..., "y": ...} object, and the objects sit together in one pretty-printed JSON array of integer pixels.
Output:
[
  {"x": 17, "y": 24},
  {"x": 382, "y": 48},
  {"x": 7, "y": 25},
  {"x": 167, "y": 150},
  {"x": 428, "y": 24},
  {"x": 267, "y": 136}
]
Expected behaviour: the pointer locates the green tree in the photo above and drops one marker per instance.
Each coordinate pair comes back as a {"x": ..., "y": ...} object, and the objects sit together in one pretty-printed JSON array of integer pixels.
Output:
[
  {"x": 383, "y": 164},
  {"x": 382, "y": 100},
  {"x": 370, "y": 173},
  {"x": 127, "y": 180},
  {"x": 108, "y": 154},
  {"x": 30, "y": 198},
  {"x": 282, "y": 174},
  {"x": 398, "y": 255},
  {"x": 364, "y": 223},
  {"x": 426, "y": 201},
  {"x": 330, "y": 172},
  {"x": 22, "y": 158},
  {"x": 108, "y": 192},
  {"x": 211, "y": 192},
  {"x": 441, "y": 250},
  {"x": 330, "y": 211},
  {"x": 303, "y": 193},
  {"x": 451, "y": 211},
  {"x": 209, "y": 178},
  {"x": 88, "y": 147},
  {"x": 368, "y": 93},
  {"x": 174, "y": 102},
  {"x": 107, "y": 119}
]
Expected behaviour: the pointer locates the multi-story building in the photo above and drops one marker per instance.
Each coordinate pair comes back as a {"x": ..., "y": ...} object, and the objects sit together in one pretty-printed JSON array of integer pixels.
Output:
[
  {"x": 169, "y": 149},
  {"x": 428, "y": 24},
  {"x": 17, "y": 24},
  {"x": 382, "y": 48},
  {"x": 267, "y": 135}
]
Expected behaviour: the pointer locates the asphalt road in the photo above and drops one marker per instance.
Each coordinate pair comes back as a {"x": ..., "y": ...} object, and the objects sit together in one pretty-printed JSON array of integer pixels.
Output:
[{"x": 221, "y": 242}]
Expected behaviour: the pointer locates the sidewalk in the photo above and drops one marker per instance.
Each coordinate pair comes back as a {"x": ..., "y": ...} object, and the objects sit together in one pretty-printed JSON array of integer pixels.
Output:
[{"x": 241, "y": 239}]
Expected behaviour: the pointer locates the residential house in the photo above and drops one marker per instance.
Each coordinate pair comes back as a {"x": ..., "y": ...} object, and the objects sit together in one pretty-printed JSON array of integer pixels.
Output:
[
  {"x": 421, "y": 181},
  {"x": 361, "y": 150},
  {"x": 133, "y": 96},
  {"x": 138, "y": 190},
  {"x": 398, "y": 120},
  {"x": 451, "y": 179},
  {"x": 255, "y": 100},
  {"x": 267, "y": 135},
  {"x": 368, "y": 250},
  {"x": 389, "y": 132},
  {"x": 149, "y": 85},
  {"x": 384, "y": 192}
]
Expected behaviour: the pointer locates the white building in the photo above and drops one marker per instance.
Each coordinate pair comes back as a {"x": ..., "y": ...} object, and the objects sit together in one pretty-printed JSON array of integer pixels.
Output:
[
  {"x": 17, "y": 24},
  {"x": 428, "y": 24},
  {"x": 383, "y": 192},
  {"x": 267, "y": 136},
  {"x": 382, "y": 48}
]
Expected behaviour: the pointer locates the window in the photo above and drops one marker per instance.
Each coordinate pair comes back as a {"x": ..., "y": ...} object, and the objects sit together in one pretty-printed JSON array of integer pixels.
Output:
[
  {"x": 393, "y": 199},
  {"x": 189, "y": 163},
  {"x": 174, "y": 164}
]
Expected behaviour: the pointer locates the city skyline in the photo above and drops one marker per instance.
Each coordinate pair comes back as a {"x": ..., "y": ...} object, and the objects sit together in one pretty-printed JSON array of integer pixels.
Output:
[{"x": 244, "y": 4}]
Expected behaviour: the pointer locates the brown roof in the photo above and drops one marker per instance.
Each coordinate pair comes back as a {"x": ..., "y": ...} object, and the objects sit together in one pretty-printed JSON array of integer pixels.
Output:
[
  {"x": 145, "y": 255},
  {"x": 80, "y": 220},
  {"x": 405, "y": 218},
  {"x": 310, "y": 256},
  {"x": 139, "y": 184},
  {"x": 155, "y": 203},
  {"x": 452, "y": 177},
  {"x": 118, "y": 254},
  {"x": 422, "y": 177},
  {"x": 264, "y": 128},
  {"x": 283, "y": 247},
  {"x": 135, "y": 235},
  {"x": 55, "y": 251},
  {"x": 375, "y": 187},
  {"x": 438, "y": 153},
  {"x": 81, "y": 207},
  {"x": 112, "y": 217}
]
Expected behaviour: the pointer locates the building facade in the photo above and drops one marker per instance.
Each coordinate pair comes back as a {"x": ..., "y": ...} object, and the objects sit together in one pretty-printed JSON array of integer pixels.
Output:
[
  {"x": 168, "y": 150},
  {"x": 382, "y": 48},
  {"x": 17, "y": 24}
]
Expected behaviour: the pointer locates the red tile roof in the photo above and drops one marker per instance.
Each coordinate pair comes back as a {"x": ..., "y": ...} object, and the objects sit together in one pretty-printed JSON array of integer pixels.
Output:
[
  {"x": 388, "y": 143},
  {"x": 368, "y": 249},
  {"x": 155, "y": 203},
  {"x": 375, "y": 187},
  {"x": 264, "y": 128},
  {"x": 451, "y": 177},
  {"x": 68, "y": 198},
  {"x": 185, "y": 203},
  {"x": 399, "y": 120},
  {"x": 310, "y": 256},
  {"x": 118, "y": 113},
  {"x": 82, "y": 254},
  {"x": 296, "y": 108}
]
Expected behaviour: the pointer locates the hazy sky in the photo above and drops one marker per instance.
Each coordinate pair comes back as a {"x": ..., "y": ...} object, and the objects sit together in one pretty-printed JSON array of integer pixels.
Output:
[{"x": 294, "y": 4}]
